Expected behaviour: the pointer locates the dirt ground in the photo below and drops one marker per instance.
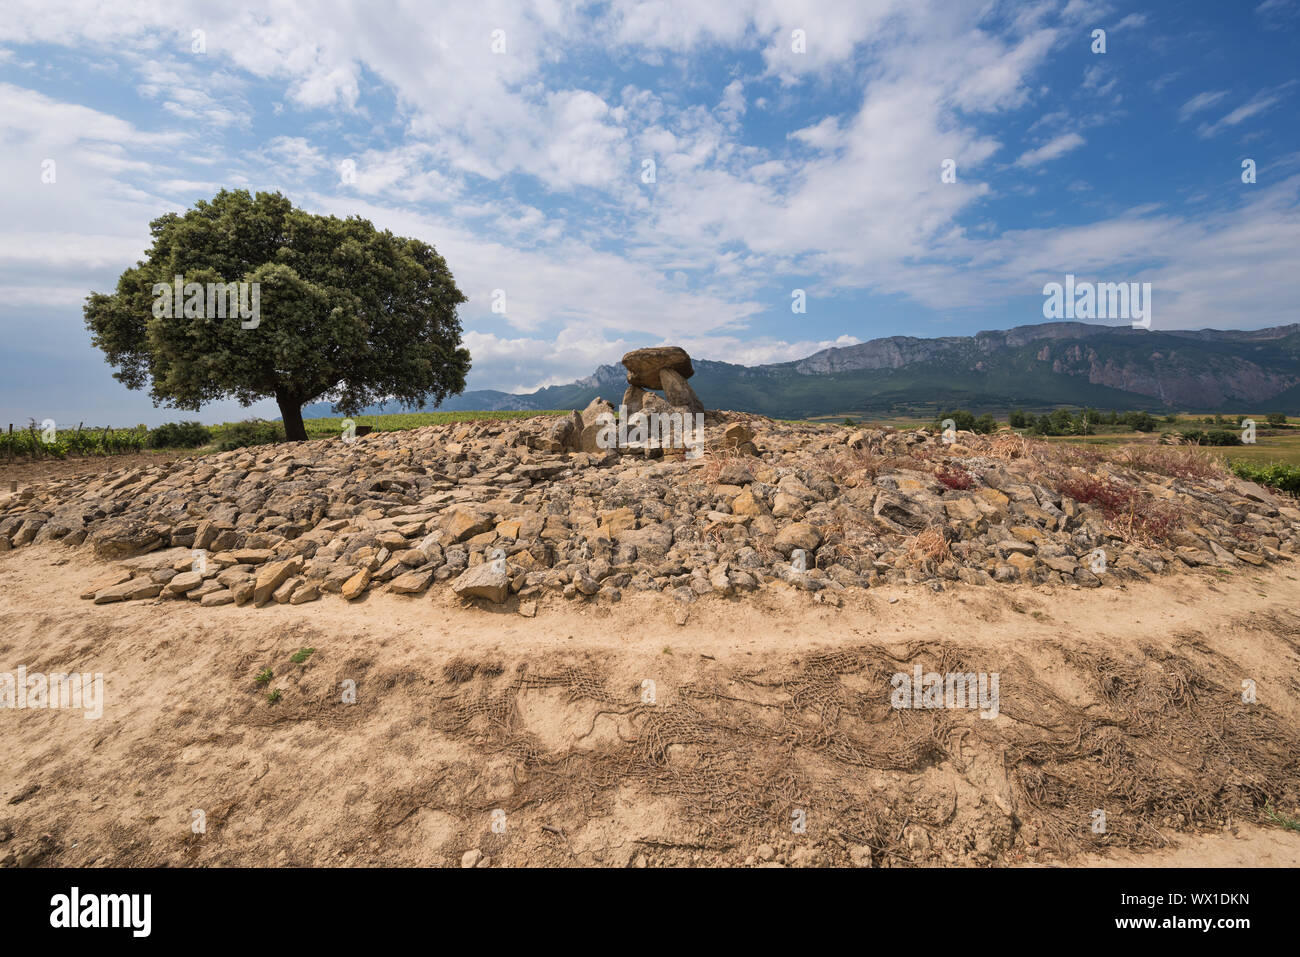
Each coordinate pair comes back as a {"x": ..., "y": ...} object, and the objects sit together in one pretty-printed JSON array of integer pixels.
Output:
[
  {"x": 757, "y": 731},
  {"x": 26, "y": 472}
]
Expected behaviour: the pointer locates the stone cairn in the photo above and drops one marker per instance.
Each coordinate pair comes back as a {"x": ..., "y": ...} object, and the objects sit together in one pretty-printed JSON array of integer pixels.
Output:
[
  {"x": 665, "y": 368},
  {"x": 525, "y": 508}
]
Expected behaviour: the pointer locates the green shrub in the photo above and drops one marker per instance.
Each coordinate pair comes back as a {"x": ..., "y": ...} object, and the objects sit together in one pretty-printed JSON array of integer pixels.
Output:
[
  {"x": 1222, "y": 437},
  {"x": 1285, "y": 478},
  {"x": 179, "y": 435},
  {"x": 1212, "y": 437},
  {"x": 963, "y": 421},
  {"x": 238, "y": 435}
]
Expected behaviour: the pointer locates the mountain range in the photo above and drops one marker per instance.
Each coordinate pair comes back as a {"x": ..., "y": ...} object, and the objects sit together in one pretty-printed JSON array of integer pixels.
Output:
[{"x": 1035, "y": 368}]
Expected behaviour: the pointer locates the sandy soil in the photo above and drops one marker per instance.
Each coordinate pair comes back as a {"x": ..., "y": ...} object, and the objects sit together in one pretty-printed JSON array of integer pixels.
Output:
[
  {"x": 26, "y": 472},
  {"x": 533, "y": 740}
]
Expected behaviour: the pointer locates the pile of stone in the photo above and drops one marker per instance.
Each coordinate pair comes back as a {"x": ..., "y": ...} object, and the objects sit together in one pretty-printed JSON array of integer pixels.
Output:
[
  {"x": 515, "y": 510},
  {"x": 665, "y": 368}
]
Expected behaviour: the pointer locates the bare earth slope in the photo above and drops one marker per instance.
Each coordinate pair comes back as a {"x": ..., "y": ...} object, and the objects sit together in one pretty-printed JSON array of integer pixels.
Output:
[
  {"x": 1125, "y": 699},
  {"x": 503, "y": 644}
]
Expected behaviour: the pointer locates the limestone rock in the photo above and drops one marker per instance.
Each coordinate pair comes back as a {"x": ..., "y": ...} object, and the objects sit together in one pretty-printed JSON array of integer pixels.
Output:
[
  {"x": 644, "y": 365},
  {"x": 272, "y": 576},
  {"x": 483, "y": 581}
]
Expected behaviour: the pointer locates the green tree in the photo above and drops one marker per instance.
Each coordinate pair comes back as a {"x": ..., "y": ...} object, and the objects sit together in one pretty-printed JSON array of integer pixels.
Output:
[
  {"x": 963, "y": 421},
  {"x": 1276, "y": 418},
  {"x": 346, "y": 312}
]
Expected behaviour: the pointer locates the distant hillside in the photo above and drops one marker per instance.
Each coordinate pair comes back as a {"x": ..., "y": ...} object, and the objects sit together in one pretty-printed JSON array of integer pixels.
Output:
[{"x": 1031, "y": 367}]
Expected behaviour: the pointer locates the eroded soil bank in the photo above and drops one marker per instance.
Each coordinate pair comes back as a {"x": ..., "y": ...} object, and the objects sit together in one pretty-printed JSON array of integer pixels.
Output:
[{"x": 594, "y": 734}]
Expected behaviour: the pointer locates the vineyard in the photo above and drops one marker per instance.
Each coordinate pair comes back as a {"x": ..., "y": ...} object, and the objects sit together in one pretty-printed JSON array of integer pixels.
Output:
[
  {"x": 32, "y": 442},
  {"x": 330, "y": 427}
]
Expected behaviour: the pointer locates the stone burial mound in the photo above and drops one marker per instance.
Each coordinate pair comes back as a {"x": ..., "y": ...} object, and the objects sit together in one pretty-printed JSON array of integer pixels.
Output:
[
  {"x": 665, "y": 368},
  {"x": 646, "y": 422},
  {"x": 518, "y": 510}
]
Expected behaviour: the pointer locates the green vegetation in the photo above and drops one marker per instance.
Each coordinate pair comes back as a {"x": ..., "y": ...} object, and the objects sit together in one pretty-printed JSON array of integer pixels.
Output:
[
  {"x": 1285, "y": 478},
  {"x": 298, "y": 307},
  {"x": 1218, "y": 437},
  {"x": 1289, "y": 823},
  {"x": 238, "y": 435},
  {"x": 264, "y": 676},
  {"x": 964, "y": 421},
  {"x": 221, "y": 438},
  {"x": 179, "y": 435},
  {"x": 29, "y": 441},
  {"x": 274, "y": 696},
  {"x": 301, "y": 655},
  {"x": 333, "y": 427}
]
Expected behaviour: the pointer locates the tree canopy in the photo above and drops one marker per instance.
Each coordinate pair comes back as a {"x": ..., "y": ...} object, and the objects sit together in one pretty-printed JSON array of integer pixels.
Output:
[{"x": 338, "y": 310}]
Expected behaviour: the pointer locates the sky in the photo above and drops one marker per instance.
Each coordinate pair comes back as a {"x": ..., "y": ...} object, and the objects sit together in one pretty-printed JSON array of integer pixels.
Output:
[{"x": 622, "y": 174}]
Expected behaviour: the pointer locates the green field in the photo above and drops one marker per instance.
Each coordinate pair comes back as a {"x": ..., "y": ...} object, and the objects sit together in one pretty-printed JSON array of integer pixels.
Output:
[
  {"x": 324, "y": 428},
  {"x": 1272, "y": 445},
  {"x": 27, "y": 441}
]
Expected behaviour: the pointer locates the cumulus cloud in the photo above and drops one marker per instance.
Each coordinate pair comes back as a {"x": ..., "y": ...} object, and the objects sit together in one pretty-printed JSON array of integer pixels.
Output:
[{"x": 523, "y": 163}]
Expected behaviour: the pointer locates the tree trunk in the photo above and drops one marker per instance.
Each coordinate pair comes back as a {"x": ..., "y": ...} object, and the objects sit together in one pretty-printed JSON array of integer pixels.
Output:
[{"x": 291, "y": 415}]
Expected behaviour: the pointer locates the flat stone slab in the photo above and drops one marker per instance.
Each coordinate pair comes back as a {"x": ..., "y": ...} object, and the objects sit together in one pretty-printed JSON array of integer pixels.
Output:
[{"x": 644, "y": 365}]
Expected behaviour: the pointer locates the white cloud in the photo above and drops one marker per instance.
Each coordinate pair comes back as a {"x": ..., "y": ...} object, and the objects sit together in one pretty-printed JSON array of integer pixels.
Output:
[
  {"x": 1050, "y": 150},
  {"x": 530, "y": 184},
  {"x": 1259, "y": 103},
  {"x": 1200, "y": 101}
]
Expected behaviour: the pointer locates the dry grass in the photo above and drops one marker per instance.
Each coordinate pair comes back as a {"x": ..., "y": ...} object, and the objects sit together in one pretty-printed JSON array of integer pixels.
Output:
[
  {"x": 1177, "y": 461},
  {"x": 715, "y": 460},
  {"x": 1008, "y": 446},
  {"x": 929, "y": 545},
  {"x": 851, "y": 467},
  {"x": 1134, "y": 515}
]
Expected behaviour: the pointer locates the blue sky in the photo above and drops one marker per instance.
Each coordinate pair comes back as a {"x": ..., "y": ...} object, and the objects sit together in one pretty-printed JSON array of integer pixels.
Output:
[{"x": 775, "y": 169}]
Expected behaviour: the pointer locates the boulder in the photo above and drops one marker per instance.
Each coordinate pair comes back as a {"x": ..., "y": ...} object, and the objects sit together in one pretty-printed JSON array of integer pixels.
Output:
[
  {"x": 125, "y": 538},
  {"x": 411, "y": 583},
  {"x": 644, "y": 365},
  {"x": 129, "y": 591},
  {"x": 354, "y": 586},
  {"x": 632, "y": 398},
  {"x": 797, "y": 535},
  {"x": 597, "y": 410},
  {"x": 678, "y": 393},
  {"x": 483, "y": 581},
  {"x": 272, "y": 576}
]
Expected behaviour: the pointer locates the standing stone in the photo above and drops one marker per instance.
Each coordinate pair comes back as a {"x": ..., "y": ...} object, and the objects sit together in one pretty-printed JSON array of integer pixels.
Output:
[
  {"x": 680, "y": 395},
  {"x": 632, "y": 398},
  {"x": 595, "y": 412}
]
